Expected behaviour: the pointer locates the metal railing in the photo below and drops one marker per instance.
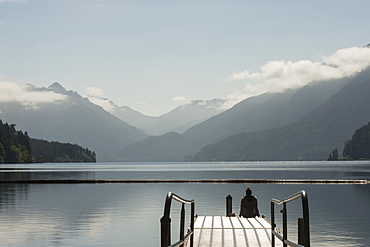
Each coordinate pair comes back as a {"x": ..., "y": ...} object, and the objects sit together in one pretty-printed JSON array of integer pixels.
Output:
[
  {"x": 303, "y": 224},
  {"x": 166, "y": 222}
]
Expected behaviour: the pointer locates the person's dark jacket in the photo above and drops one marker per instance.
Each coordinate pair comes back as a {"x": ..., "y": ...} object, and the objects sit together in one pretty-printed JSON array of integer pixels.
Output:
[{"x": 249, "y": 206}]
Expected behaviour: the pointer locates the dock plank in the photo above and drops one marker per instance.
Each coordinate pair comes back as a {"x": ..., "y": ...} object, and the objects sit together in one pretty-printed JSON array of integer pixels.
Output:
[
  {"x": 217, "y": 237},
  {"x": 199, "y": 222},
  {"x": 226, "y": 222},
  {"x": 208, "y": 222},
  {"x": 236, "y": 222},
  {"x": 228, "y": 237},
  {"x": 222, "y": 231},
  {"x": 217, "y": 223},
  {"x": 240, "y": 238}
]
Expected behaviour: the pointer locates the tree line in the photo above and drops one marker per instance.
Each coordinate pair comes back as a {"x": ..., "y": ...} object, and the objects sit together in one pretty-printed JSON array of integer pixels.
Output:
[
  {"x": 17, "y": 147},
  {"x": 358, "y": 148},
  {"x": 57, "y": 152}
]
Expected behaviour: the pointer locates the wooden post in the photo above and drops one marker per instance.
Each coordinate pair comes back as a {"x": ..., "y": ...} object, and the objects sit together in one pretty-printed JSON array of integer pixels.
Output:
[{"x": 229, "y": 205}]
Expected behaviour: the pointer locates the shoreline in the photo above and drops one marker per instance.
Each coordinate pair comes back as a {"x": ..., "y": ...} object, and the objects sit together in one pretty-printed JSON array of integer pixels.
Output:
[{"x": 236, "y": 181}]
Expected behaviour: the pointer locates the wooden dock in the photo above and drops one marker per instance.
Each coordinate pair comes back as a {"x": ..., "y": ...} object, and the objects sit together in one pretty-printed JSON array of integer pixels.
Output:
[{"x": 222, "y": 231}]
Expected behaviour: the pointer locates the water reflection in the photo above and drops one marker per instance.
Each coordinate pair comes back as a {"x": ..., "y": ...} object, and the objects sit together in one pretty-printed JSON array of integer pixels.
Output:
[
  {"x": 128, "y": 214},
  {"x": 15, "y": 175},
  {"x": 8, "y": 174}
]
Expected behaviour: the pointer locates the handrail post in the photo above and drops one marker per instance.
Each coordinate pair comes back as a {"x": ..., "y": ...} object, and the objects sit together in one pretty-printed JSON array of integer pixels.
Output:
[
  {"x": 165, "y": 231},
  {"x": 272, "y": 224},
  {"x": 301, "y": 236},
  {"x": 285, "y": 224},
  {"x": 306, "y": 220},
  {"x": 304, "y": 239},
  {"x": 192, "y": 224},
  {"x": 166, "y": 222},
  {"x": 182, "y": 222}
]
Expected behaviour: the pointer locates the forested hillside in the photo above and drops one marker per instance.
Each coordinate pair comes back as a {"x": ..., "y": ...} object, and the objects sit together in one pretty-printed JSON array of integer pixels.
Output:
[
  {"x": 15, "y": 145},
  {"x": 359, "y": 146},
  {"x": 56, "y": 152}
]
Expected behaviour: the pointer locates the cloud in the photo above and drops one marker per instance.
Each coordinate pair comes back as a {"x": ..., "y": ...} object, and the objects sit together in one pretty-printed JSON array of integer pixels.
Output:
[
  {"x": 280, "y": 75},
  {"x": 94, "y": 94},
  {"x": 27, "y": 95},
  {"x": 107, "y": 105},
  {"x": 94, "y": 91},
  {"x": 180, "y": 99}
]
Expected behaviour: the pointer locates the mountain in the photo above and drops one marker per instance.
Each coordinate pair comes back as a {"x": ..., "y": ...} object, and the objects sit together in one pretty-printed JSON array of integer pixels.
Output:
[
  {"x": 125, "y": 113},
  {"x": 132, "y": 117},
  {"x": 186, "y": 116},
  {"x": 168, "y": 147},
  {"x": 74, "y": 120},
  {"x": 266, "y": 111},
  {"x": 178, "y": 120},
  {"x": 309, "y": 138}
]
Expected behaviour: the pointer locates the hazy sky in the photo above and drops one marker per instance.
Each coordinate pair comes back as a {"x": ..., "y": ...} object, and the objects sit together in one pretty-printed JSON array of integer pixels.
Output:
[{"x": 155, "y": 55}]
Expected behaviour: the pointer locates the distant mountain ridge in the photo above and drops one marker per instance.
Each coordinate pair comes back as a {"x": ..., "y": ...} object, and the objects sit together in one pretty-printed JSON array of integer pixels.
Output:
[
  {"x": 178, "y": 120},
  {"x": 309, "y": 138},
  {"x": 74, "y": 120},
  {"x": 266, "y": 111},
  {"x": 297, "y": 124}
]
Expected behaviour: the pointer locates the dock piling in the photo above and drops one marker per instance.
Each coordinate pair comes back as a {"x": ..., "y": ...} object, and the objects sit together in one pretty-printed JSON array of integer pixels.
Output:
[{"x": 229, "y": 205}]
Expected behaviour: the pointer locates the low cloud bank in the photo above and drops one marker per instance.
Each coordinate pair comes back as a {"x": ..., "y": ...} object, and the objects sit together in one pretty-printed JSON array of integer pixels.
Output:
[
  {"x": 277, "y": 76},
  {"x": 106, "y": 104},
  {"x": 95, "y": 95},
  {"x": 180, "y": 100},
  {"x": 27, "y": 95}
]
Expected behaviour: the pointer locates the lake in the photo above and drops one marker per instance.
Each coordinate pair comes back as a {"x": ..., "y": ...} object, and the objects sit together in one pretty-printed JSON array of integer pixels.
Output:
[{"x": 128, "y": 214}]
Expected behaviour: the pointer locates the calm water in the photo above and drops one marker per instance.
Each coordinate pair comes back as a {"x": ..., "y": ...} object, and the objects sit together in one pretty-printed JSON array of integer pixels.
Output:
[{"x": 128, "y": 214}]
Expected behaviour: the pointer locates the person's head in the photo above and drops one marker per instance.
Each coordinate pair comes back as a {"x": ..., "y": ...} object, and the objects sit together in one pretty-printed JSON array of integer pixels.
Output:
[{"x": 248, "y": 191}]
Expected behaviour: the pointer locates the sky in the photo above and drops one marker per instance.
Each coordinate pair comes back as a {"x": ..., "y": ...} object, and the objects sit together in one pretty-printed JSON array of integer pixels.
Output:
[{"x": 154, "y": 55}]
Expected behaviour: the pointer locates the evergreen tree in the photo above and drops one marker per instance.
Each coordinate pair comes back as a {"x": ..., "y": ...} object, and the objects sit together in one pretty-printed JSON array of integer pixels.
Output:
[
  {"x": 333, "y": 155},
  {"x": 330, "y": 158},
  {"x": 2, "y": 154}
]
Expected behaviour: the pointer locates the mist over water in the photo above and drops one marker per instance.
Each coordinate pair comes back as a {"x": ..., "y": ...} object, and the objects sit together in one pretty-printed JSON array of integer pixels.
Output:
[{"x": 128, "y": 214}]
